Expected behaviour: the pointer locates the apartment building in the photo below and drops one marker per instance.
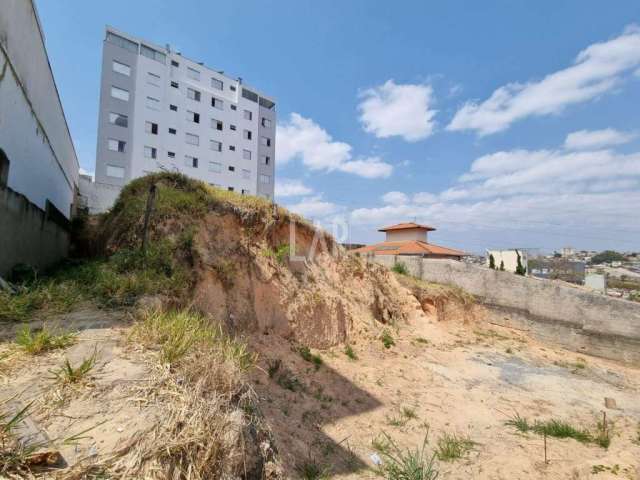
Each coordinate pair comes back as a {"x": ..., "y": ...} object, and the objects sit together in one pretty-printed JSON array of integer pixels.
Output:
[{"x": 160, "y": 111}]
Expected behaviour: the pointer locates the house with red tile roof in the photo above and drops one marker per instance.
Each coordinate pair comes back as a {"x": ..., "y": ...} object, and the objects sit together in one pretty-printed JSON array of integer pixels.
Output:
[{"x": 409, "y": 239}]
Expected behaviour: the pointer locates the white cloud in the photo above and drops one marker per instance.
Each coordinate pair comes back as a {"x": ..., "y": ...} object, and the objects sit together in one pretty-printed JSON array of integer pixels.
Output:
[
  {"x": 395, "y": 198},
  {"x": 372, "y": 167},
  {"x": 596, "y": 70},
  {"x": 585, "y": 139},
  {"x": 82, "y": 171},
  {"x": 402, "y": 110},
  {"x": 287, "y": 187},
  {"x": 302, "y": 138},
  {"x": 424, "y": 198},
  {"x": 314, "y": 207},
  {"x": 557, "y": 191}
]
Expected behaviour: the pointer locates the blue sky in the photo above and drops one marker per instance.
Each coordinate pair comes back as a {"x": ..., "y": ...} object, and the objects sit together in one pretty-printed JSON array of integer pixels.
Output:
[{"x": 502, "y": 124}]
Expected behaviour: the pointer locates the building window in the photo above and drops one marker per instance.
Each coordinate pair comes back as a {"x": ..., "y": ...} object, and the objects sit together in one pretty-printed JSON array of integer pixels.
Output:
[
  {"x": 150, "y": 152},
  {"x": 265, "y": 141},
  {"x": 175, "y": 84},
  {"x": 193, "y": 116},
  {"x": 232, "y": 88},
  {"x": 115, "y": 172},
  {"x": 247, "y": 134},
  {"x": 193, "y": 94},
  {"x": 265, "y": 159},
  {"x": 215, "y": 145},
  {"x": 193, "y": 73},
  {"x": 116, "y": 145},
  {"x": 231, "y": 189},
  {"x": 174, "y": 63},
  {"x": 265, "y": 178},
  {"x": 153, "y": 103},
  {"x": 215, "y": 167},
  {"x": 152, "y": 54},
  {"x": 172, "y": 131},
  {"x": 191, "y": 161},
  {"x": 217, "y": 103},
  {"x": 232, "y": 148},
  {"x": 153, "y": 79},
  {"x": 266, "y": 122},
  {"x": 173, "y": 108},
  {"x": 232, "y": 127},
  {"x": 120, "y": 93},
  {"x": 216, "y": 124},
  {"x": 122, "y": 68},
  {"x": 246, "y": 173},
  {"x": 248, "y": 115},
  {"x": 246, "y": 154},
  {"x": 151, "y": 128},
  {"x": 217, "y": 84},
  {"x": 233, "y": 107},
  {"x": 249, "y": 95},
  {"x": 122, "y": 42},
  {"x": 192, "y": 139},
  {"x": 232, "y": 168},
  {"x": 118, "y": 119},
  {"x": 171, "y": 154}
]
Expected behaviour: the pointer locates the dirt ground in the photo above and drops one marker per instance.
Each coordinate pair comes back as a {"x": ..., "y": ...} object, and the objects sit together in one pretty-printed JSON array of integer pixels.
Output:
[{"x": 462, "y": 378}]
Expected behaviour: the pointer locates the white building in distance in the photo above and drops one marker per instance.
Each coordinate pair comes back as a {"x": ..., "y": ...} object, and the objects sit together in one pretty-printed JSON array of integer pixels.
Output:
[{"x": 160, "y": 111}]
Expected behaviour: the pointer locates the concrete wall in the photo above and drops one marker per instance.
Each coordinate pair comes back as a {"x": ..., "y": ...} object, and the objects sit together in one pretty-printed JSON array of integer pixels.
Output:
[
  {"x": 33, "y": 129},
  {"x": 403, "y": 235},
  {"x": 27, "y": 234},
  {"x": 554, "y": 312}
]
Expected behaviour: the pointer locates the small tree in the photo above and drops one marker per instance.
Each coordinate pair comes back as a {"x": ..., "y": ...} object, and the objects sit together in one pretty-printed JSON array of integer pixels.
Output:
[
  {"x": 502, "y": 265},
  {"x": 520, "y": 269},
  {"x": 492, "y": 262}
]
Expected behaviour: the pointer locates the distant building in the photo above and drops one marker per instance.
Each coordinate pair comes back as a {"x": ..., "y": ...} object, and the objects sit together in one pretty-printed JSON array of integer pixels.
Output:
[
  {"x": 161, "y": 111},
  {"x": 509, "y": 258},
  {"x": 567, "y": 252},
  {"x": 558, "y": 268},
  {"x": 409, "y": 239},
  {"x": 38, "y": 163}
]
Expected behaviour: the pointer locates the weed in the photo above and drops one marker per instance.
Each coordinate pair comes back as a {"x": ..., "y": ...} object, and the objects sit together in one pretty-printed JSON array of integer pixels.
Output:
[
  {"x": 309, "y": 469},
  {"x": 451, "y": 447},
  {"x": 509, "y": 350},
  {"x": 520, "y": 423},
  {"x": 280, "y": 253},
  {"x": 350, "y": 352},
  {"x": 422, "y": 340},
  {"x": 273, "y": 366},
  {"x": 306, "y": 354},
  {"x": 287, "y": 380},
  {"x": 42, "y": 340},
  {"x": 381, "y": 443},
  {"x": 13, "y": 452},
  {"x": 398, "y": 419},
  {"x": 409, "y": 413},
  {"x": 67, "y": 374},
  {"x": 400, "y": 268},
  {"x": 399, "y": 464},
  {"x": 387, "y": 339}
]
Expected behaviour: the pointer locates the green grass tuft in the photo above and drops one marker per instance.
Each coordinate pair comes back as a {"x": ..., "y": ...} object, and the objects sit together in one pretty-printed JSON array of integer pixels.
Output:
[
  {"x": 404, "y": 464},
  {"x": 350, "y": 352},
  {"x": 451, "y": 447},
  {"x": 562, "y": 429},
  {"x": 42, "y": 340},
  {"x": 400, "y": 268},
  {"x": 306, "y": 354},
  {"x": 68, "y": 374},
  {"x": 387, "y": 339}
]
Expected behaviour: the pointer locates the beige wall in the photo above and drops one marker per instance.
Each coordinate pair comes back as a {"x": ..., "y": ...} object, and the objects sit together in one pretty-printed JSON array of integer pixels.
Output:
[
  {"x": 552, "y": 311},
  {"x": 404, "y": 235}
]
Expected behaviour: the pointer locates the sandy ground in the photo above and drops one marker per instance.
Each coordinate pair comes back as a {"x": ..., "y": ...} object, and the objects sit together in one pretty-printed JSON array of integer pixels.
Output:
[{"x": 468, "y": 380}]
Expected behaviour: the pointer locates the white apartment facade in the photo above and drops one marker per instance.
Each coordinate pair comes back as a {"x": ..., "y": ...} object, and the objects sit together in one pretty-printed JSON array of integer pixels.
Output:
[{"x": 160, "y": 111}]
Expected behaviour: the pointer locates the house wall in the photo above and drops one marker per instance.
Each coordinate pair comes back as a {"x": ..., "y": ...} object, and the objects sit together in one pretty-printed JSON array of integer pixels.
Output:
[
  {"x": 509, "y": 257},
  {"x": 403, "y": 235},
  {"x": 552, "y": 311}
]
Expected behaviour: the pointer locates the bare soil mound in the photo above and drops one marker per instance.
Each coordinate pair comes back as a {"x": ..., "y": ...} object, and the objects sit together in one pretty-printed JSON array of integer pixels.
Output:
[{"x": 253, "y": 265}]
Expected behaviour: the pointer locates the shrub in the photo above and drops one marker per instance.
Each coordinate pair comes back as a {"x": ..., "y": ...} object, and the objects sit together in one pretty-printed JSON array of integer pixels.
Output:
[
  {"x": 400, "y": 268},
  {"x": 306, "y": 354}
]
